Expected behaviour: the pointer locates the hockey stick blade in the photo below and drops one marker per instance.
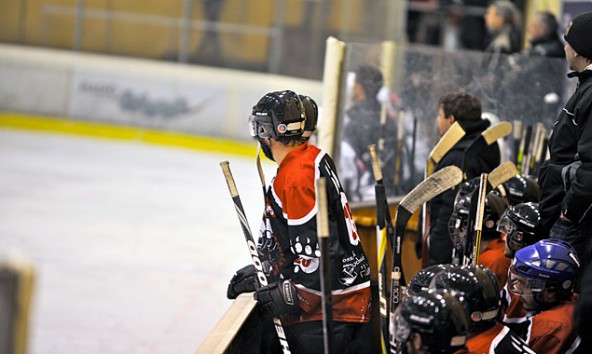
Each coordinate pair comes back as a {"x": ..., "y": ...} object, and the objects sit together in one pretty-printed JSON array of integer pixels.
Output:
[
  {"x": 446, "y": 142},
  {"x": 238, "y": 205},
  {"x": 498, "y": 131},
  {"x": 501, "y": 174},
  {"x": 433, "y": 185}
]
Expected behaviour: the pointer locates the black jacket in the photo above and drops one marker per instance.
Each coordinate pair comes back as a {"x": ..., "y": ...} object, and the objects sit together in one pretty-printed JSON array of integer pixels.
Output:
[
  {"x": 442, "y": 206},
  {"x": 572, "y": 134},
  {"x": 548, "y": 46}
]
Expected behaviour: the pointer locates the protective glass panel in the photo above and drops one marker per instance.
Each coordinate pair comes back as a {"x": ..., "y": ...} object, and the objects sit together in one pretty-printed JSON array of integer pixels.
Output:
[{"x": 510, "y": 88}]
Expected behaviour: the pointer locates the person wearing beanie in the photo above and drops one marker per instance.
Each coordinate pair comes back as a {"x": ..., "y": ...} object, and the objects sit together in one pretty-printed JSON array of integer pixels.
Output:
[{"x": 566, "y": 177}]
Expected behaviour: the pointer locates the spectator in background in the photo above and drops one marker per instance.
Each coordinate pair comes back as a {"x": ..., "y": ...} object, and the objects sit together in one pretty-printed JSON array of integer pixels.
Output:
[
  {"x": 362, "y": 128},
  {"x": 544, "y": 36},
  {"x": 504, "y": 26}
]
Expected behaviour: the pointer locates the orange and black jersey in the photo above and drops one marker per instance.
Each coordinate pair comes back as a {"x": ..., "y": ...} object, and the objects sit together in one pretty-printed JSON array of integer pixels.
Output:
[
  {"x": 497, "y": 339},
  {"x": 493, "y": 258},
  {"x": 289, "y": 245},
  {"x": 549, "y": 331}
]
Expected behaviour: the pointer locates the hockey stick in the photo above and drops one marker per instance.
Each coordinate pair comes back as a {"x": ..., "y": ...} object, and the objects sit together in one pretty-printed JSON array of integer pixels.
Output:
[
  {"x": 399, "y": 152},
  {"x": 479, "y": 217},
  {"x": 524, "y": 145},
  {"x": 412, "y": 154},
  {"x": 495, "y": 179},
  {"x": 323, "y": 233},
  {"x": 539, "y": 151},
  {"x": 386, "y": 66},
  {"x": 446, "y": 142},
  {"x": 238, "y": 205},
  {"x": 517, "y": 136},
  {"x": 487, "y": 137},
  {"x": 432, "y": 186},
  {"x": 500, "y": 174},
  {"x": 384, "y": 235}
]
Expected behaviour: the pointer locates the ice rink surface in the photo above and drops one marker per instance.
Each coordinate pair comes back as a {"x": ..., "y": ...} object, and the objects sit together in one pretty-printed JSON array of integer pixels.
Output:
[{"x": 133, "y": 244}]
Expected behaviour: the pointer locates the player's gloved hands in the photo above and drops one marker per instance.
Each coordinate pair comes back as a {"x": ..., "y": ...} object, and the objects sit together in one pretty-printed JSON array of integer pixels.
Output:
[
  {"x": 244, "y": 281},
  {"x": 278, "y": 298}
]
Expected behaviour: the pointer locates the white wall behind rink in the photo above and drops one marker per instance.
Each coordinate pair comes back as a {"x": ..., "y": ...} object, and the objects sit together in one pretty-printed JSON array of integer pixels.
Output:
[{"x": 144, "y": 93}]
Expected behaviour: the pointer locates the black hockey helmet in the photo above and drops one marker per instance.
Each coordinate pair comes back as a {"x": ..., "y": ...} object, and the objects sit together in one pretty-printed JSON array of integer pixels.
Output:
[
  {"x": 312, "y": 115},
  {"x": 458, "y": 222},
  {"x": 278, "y": 114},
  {"x": 480, "y": 288},
  {"x": 439, "y": 316},
  {"x": 421, "y": 281},
  {"x": 522, "y": 225},
  {"x": 522, "y": 189}
]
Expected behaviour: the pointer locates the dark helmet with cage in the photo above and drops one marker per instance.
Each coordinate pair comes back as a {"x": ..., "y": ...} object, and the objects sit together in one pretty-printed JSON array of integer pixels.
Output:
[
  {"x": 439, "y": 316},
  {"x": 549, "y": 264},
  {"x": 421, "y": 281},
  {"x": 278, "y": 114},
  {"x": 459, "y": 219},
  {"x": 480, "y": 288},
  {"x": 312, "y": 115},
  {"x": 458, "y": 222},
  {"x": 522, "y": 225},
  {"x": 522, "y": 189}
]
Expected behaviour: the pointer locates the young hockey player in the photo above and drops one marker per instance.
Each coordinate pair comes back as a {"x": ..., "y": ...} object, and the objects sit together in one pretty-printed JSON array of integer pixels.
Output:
[
  {"x": 521, "y": 189},
  {"x": 521, "y": 226},
  {"x": 479, "y": 287},
  {"x": 435, "y": 321},
  {"x": 543, "y": 276},
  {"x": 288, "y": 241}
]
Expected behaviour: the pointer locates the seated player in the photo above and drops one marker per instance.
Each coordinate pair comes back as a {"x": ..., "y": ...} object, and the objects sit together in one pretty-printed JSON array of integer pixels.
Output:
[
  {"x": 479, "y": 287},
  {"x": 435, "y": 321},
  {"x": 543, "y": 276}
]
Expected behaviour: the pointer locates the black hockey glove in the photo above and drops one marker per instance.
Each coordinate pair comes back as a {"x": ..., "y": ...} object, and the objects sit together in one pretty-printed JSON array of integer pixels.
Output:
[
  {"x": 278, "y": 299},
  {"x": 244, "y": 281}
]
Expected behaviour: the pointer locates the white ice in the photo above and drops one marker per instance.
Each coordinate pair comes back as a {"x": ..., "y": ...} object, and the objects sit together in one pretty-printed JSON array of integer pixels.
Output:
[{"x": 134, "y": 244}]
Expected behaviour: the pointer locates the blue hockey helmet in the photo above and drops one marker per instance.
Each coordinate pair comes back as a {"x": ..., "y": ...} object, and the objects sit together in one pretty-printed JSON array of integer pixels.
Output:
[{"x": 547, "y": 264}]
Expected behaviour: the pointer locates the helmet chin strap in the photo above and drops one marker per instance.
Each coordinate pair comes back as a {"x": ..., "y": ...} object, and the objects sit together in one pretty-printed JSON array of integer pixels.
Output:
[{"x": 266, "y": 149}]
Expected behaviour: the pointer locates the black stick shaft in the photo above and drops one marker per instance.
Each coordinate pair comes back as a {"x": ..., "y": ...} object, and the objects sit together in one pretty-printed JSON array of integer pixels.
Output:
[
  {"x": 384, "y": 235},
  {"x": 252, "y": 246}
]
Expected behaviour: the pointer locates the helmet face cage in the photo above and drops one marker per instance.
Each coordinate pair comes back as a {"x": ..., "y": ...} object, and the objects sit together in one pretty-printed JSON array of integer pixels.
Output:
[
  {"x": 517, "y": 283},
  {"x": 457, "y": 227},
  {"x": 514, "y": 237}
]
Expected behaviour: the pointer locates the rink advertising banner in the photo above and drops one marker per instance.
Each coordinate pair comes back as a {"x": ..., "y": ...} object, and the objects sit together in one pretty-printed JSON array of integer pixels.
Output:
[{"x": 149, "y": 102}]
